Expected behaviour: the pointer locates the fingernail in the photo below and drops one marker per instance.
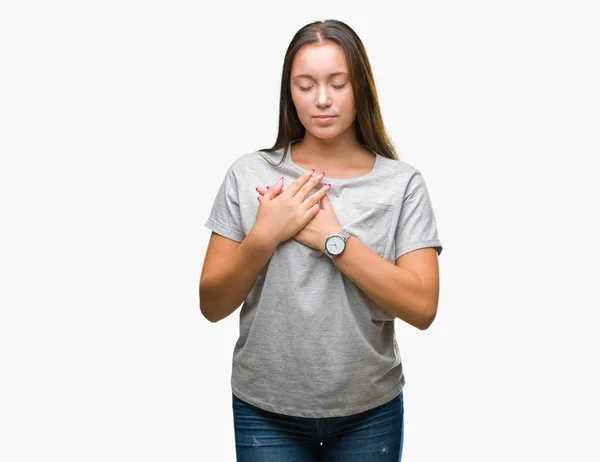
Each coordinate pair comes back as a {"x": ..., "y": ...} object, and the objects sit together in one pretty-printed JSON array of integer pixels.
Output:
[
  {"x": 322, "y": 175},
  {"x": 258, "y": 198},
  {"x": 257, "y": 188},
  {"x": 268, "y": 187}
]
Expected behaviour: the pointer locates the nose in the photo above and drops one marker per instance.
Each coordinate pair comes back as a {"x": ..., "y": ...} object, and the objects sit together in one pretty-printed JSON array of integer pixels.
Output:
[{"x": 323, "y": 99}]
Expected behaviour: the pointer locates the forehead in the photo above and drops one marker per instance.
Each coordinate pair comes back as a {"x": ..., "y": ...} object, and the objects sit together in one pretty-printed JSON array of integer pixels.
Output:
[{"x": 319, "y": 60}]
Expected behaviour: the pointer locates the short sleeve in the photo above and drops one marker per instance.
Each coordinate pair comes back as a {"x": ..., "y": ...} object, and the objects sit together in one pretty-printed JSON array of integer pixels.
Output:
[
  {"x": 225, "y": 216},
  {"x": 417, "y": 227}
]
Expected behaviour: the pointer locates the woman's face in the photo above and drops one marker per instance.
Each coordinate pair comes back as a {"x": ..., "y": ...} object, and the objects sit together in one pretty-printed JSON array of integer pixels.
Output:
[{"x": 320, "y": 86}]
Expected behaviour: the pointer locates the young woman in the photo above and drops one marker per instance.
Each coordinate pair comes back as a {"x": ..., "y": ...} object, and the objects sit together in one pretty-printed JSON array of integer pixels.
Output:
[{"x": 341, "y": 242}]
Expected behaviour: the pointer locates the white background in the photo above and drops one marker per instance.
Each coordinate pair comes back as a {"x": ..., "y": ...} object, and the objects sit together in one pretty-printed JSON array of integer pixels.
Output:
[{"x": 118, "y": 120}]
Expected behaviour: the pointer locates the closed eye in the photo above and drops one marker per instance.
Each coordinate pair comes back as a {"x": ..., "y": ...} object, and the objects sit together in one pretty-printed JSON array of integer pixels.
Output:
[{"x": 337, "y": 87}]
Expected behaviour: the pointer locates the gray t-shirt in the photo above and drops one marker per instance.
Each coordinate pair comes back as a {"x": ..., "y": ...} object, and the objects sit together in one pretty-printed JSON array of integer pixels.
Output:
[{"x": 311, "y": 343}]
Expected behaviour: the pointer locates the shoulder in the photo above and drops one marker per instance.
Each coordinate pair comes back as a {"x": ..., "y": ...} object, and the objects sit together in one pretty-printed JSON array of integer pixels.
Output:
[
  {"x": 239, "y": 166},
  {"x": 251, "y": 159},
  {"x": 400, "y": 180},
  {"x": 398, "y": 170}
]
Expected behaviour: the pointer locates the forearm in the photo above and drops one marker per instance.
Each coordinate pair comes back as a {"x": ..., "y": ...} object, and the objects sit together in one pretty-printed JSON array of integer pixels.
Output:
[
  {"x": 223, "y": 291},
  {"x": 397, "y": 290}
]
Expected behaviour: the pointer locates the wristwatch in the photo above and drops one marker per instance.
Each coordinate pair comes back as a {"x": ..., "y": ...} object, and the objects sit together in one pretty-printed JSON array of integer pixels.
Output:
[{"x": 336, "y": 243}]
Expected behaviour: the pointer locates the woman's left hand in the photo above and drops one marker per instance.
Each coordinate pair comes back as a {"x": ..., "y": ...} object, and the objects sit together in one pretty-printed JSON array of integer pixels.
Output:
[{"x": 325, "y": 223}]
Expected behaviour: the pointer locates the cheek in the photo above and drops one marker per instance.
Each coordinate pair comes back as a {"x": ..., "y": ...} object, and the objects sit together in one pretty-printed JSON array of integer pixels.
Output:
[
  {"x": 301, "y": 105},
  {"x": 349, "y": 108}
]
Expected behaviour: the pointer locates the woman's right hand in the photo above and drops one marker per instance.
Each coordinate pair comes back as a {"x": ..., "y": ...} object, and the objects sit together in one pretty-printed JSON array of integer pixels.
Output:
[{"x": 282, "y": 214}]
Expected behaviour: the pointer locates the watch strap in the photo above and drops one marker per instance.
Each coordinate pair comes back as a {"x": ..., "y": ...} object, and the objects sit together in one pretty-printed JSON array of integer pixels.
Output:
[{"x": 345, "y": 234}]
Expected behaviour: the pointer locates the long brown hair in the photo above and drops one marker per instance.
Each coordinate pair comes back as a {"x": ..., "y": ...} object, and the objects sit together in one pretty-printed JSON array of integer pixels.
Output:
[{"x": 370, "y": 129}]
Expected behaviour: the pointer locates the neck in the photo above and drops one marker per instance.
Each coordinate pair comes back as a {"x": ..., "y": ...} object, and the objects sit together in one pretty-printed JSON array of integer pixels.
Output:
[{"x": 335, "y": 151}]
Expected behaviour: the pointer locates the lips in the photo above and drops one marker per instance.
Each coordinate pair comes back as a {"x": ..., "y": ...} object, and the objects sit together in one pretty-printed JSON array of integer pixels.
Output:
[{"x": 325, "y": 116}]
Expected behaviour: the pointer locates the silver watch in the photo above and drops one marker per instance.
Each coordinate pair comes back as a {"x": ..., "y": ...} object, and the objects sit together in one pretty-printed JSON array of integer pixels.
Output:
[{"x": 336, "y": 243}]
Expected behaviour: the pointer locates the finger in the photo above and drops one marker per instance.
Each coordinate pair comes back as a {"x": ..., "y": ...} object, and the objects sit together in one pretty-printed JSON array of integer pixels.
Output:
[
  {"x": 312, "y": 212},
  {"x": 311, "y": 184},
  {"x": 271, "y": 193},
  {"x": 318, "y": 196},
  {"x": 325, "y": 204},
  {"x": 299, "y": 182},
  {"x": 262, "y": 191}
]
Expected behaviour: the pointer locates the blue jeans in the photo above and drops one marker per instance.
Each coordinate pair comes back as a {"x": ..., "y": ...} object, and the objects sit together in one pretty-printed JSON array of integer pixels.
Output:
[{"x": 373, "y": 435}]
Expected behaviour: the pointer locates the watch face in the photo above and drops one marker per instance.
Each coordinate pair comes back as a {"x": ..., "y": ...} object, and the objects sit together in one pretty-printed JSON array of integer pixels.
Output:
[{"x": 335, "y": 245}]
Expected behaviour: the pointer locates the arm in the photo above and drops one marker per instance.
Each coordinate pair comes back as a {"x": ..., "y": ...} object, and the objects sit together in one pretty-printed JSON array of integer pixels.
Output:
[
  {"x": 229, "y": 271},
  {"x": 408, "y": 290}
]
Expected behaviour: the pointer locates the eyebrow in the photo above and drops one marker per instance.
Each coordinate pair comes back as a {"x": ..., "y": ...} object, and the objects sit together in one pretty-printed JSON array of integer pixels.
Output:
[{"x": 308, "y": 76}]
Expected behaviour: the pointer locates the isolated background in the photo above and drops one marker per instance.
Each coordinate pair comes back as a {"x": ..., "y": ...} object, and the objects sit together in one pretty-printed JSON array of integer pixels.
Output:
[{"x": 118, "y": 120}]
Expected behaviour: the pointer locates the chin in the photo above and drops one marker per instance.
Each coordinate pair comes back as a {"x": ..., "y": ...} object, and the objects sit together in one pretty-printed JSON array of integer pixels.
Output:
[{"x": 325, "y": 133}]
